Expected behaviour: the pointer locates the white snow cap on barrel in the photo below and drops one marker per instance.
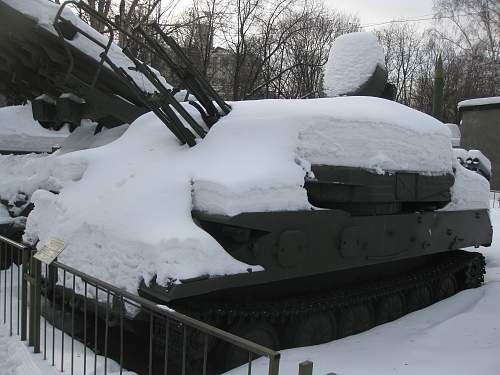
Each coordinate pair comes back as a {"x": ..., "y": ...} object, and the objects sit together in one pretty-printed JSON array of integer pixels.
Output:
[{"x": 352, "y": 61}]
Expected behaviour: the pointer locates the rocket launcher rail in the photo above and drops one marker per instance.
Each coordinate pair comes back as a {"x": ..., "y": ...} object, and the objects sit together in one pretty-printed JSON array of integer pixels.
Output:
[
  {"x": 71, "y": 85},
  {"x": 191, "y": 78}
]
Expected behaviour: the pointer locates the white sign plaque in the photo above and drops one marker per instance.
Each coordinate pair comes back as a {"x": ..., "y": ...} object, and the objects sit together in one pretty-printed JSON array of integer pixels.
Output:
[{"x": 50, "y": 251}]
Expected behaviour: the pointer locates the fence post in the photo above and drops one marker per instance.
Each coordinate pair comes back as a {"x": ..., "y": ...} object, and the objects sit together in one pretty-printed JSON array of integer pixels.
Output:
[
  {"x": 24, "y": 295},
  {"x": 31, "y": 300},
  {"x": 274, "y": 364},
  {"x": 37, "y": 268},
  {"x": 306, "y": 368}
]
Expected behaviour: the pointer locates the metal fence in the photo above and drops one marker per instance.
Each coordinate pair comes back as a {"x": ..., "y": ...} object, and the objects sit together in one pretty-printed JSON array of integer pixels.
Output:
[{"x": 97, "y": 317}]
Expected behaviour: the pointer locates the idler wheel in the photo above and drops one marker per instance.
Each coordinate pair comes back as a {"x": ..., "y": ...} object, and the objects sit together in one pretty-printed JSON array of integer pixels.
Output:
[
  {"x": 389, "y": 308},
  {"x": 315, "y": 329},
  {"x": 418, "y": 299},
  {"x": 355, "y": 319},
  {"x": 258, "y": 332},
  {"x": 445, "y": 288}
]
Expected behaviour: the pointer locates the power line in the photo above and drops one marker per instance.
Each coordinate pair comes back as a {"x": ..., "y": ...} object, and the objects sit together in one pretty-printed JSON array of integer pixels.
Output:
[{"x": 417, "y": 19}]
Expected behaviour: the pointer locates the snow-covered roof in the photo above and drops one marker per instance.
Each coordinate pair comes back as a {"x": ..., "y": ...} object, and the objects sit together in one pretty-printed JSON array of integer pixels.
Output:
[
  {"x": 479, "y": 101},
  {"x": 352, "y": 60},
  {"x": 20, "y": 133},
  {"x": 44, "y": 12}
]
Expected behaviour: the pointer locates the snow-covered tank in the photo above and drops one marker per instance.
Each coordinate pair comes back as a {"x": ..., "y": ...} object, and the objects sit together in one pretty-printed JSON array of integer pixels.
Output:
[{"x": 291, "y": 223}]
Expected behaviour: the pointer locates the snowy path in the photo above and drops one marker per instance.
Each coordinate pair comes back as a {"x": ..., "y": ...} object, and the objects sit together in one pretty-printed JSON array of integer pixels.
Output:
[{"x": 458, "y": 336}]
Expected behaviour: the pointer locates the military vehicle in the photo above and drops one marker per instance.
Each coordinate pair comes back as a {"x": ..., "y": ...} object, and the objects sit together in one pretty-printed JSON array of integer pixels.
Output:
[{"x": 377, "y": 248}]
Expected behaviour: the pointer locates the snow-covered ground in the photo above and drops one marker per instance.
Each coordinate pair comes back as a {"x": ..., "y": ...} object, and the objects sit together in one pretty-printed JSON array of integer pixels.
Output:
[{"x": 460, "y": 335}]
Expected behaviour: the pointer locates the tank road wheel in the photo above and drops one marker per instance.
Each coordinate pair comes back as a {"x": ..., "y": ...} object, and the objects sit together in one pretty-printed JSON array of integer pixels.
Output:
[
  {"x": 445, "y": 288},
  {"x": 258, "y": 332},
  {"x": 389, "y": 308},
  {"x": 355, "y": 319},
  {"x": 315, "y": 329},
  {"x": 418, "y": 298}
]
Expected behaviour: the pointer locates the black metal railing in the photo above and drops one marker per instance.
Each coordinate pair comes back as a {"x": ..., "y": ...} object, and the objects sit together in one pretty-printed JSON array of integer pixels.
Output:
[{"x": 81, "y": 323}]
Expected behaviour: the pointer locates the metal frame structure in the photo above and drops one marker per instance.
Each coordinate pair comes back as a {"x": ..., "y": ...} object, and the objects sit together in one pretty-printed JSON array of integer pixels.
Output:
[{"x": 168, "y": 109}]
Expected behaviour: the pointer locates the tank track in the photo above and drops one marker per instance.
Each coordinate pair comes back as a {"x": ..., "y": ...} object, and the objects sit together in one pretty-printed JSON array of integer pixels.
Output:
[{"x": 466, "y": 268}]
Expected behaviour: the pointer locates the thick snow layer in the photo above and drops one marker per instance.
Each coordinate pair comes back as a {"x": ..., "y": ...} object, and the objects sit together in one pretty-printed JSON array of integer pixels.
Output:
[
  {"x": 479, "y": 101},
  {"x": 352, "y": 60},
  {"x": 475, "y": 159},
  {"x": 460, "y": 336},
  {"x": 132, "y": 199},
  {"x": 28, "y": 173},
  {"x": 469, "y": 191},
  {"x": 129, "y": 215},
  {"x": 19, "y": 132},
  {"x": 44, "y": 12}
]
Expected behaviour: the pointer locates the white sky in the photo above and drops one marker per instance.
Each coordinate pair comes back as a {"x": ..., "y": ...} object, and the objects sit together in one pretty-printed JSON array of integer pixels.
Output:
[{"x": 375, "y": 11}]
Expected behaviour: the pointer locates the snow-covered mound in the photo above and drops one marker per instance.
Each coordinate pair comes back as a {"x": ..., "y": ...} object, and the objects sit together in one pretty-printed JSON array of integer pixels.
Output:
[
  {"x": 470, "y": 190},
  {"x": 19, "y": 132},
  {"x": 474, "y": 160},
  {"x": 124, "y": 209},
  {"x": 481, "y": 159},
  {"x": 44, "y": 12},
  {"x": 352, "y": 61}
]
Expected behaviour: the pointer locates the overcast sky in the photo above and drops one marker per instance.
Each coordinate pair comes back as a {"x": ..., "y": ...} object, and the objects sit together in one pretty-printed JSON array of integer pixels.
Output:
[{"x": 375, "y": 11}]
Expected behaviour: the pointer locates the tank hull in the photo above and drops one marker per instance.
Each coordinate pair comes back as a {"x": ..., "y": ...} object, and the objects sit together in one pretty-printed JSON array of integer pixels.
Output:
[{"x": 305, "y": 247}]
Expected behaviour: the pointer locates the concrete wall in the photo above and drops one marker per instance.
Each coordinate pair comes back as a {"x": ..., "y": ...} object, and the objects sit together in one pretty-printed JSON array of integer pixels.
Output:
[{"x": 480, "y": 129}]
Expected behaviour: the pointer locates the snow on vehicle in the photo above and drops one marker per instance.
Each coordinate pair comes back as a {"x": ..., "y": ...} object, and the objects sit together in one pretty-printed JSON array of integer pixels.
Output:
[{"x": 291, "y": 223}]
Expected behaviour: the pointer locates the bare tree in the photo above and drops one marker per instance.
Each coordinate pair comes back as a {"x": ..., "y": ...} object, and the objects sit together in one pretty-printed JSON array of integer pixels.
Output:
[
  {"x": 308, "y": 50},
  {"x": 402, "y": 45}
]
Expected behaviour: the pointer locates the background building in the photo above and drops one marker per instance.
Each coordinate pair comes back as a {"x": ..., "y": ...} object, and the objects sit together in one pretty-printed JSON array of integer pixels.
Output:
[{"x": 480, "y": 127}]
